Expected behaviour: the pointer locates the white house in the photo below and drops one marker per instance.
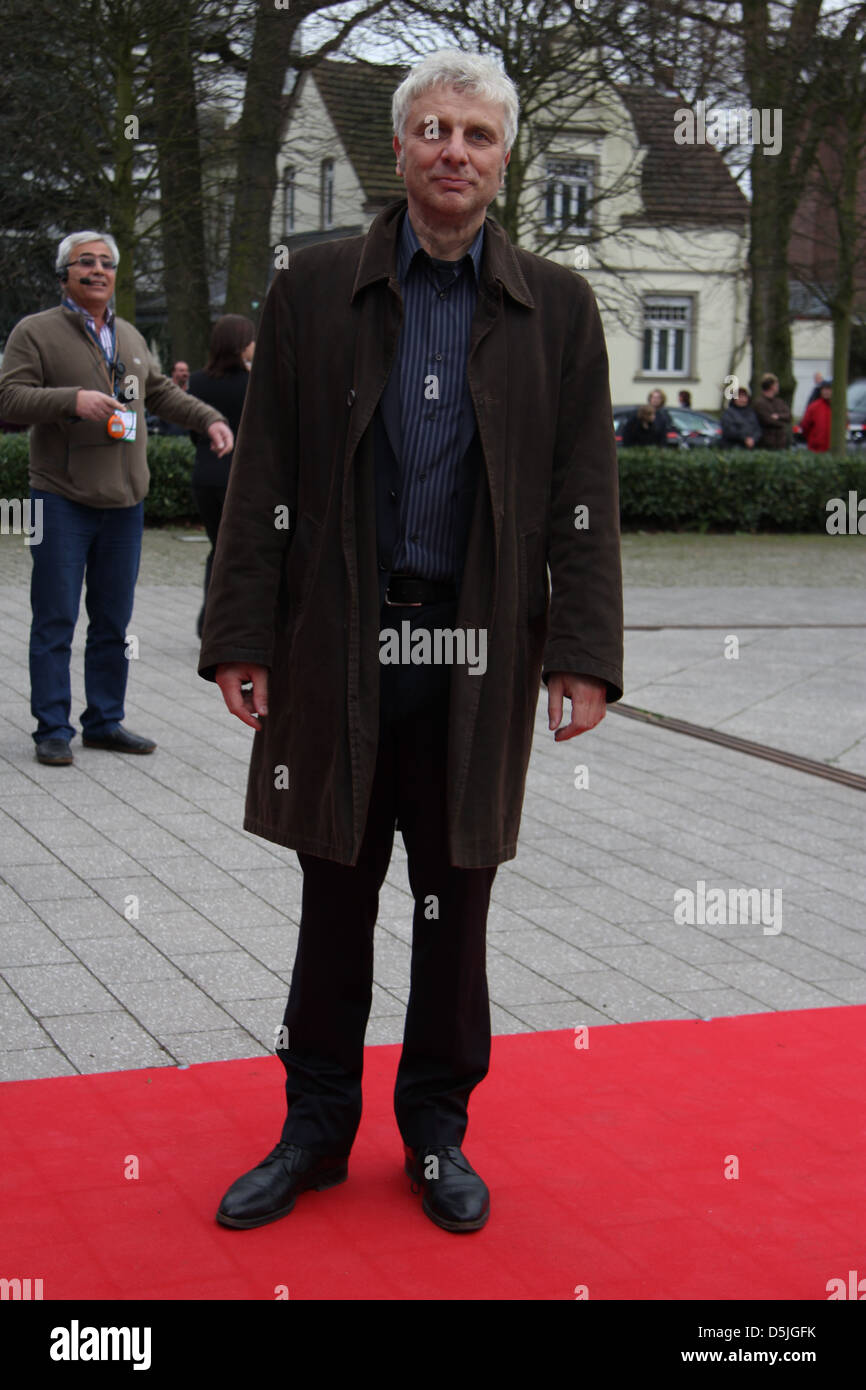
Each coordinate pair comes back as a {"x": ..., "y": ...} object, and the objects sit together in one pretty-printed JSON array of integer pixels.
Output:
[{"x": 659, "y": 229}]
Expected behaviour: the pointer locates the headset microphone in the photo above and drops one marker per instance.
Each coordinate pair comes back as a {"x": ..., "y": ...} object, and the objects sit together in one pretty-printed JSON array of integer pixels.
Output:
[{"x": 85, "y": 280}]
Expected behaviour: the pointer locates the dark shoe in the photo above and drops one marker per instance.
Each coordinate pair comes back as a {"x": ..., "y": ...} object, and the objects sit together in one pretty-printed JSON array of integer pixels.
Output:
[
  {"x": 120, "y": 740},
  {"x": 454, "y": 1195},
  {"x": 55, "y": 752},
  {"x": 269, "y": 1190}
]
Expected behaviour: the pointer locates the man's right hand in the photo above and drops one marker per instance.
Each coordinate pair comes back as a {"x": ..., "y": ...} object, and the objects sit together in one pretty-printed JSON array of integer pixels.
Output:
[
  {"x": 95, "y": 405},
  {"x": 230, "y": 676}
]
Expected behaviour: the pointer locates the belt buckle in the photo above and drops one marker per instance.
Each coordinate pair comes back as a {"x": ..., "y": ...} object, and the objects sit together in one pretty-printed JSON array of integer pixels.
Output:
[{"x": 389, "y": 604}]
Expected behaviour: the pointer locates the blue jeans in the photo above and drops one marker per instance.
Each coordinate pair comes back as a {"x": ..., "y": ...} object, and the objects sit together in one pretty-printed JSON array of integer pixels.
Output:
[{"x": 103, "y": 544}]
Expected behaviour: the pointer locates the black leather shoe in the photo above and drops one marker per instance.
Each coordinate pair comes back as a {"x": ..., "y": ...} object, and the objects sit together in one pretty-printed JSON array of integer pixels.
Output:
[
  {"x": 120, "y": 740},
  {"x": 55, "y": 752},
  {"x": 269, "y": 1190},
  {"x": 454, "y": 1195}
]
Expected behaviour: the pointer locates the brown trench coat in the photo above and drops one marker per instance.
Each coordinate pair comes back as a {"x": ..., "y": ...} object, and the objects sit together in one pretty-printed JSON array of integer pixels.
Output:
[{"x": 304, "y": 601}]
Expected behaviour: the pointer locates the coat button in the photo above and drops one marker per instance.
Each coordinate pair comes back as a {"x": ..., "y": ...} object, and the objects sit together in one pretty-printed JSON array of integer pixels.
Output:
[
  {"x": 393, "y": 494},
  {"x": 350, "y": 399}
]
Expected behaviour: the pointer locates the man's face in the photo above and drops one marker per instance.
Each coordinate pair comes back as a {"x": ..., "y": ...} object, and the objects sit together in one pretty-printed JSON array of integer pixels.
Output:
[
  {"x": 453, "y": 157},
  {"x": 180, "y": 375},
  {"x": 96, "y": 295},
  {"x": 742, "y": 398},
  {"x": 655, "y": 400}
]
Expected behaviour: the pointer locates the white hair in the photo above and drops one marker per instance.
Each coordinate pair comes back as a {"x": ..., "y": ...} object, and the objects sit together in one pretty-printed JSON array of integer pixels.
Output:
[
  {"x": 69, "y": 243},
  {"x": 465, "y": 72}
]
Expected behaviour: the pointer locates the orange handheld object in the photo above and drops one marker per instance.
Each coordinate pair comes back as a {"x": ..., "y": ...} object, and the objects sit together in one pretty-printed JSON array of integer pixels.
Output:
[{"x": 115, "y": 427}]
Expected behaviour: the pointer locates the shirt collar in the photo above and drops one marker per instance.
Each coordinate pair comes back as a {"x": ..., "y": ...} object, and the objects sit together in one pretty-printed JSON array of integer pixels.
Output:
[
  {"x": 69, "y": 303},
  {"x": 409, "y": 245}
]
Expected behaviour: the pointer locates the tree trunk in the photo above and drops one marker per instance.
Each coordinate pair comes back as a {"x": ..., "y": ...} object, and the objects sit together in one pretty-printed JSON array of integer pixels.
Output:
[
  {"x": 842, "y": 305},
  {"x": 258, "y": 142},
  {"x": 179, "y": 166},
  {"x": 123, "y": 198}
]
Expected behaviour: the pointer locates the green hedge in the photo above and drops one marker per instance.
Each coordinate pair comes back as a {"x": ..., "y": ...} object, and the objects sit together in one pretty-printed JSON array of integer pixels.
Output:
[
  {"x": 735, "y": 489},
  {"x": 667, "y": 489}
]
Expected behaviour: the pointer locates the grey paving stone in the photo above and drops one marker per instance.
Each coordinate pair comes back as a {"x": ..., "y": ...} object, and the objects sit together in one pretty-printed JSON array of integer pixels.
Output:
[
  {"x": 796, "y": 958},
  {"x": 75, "y": 919},
  {"x": 618, "y": 908},
  {"x": 261, "y": 1018},
  {"x": 229, "y": 975},
  {"x": 850, "y": 991},
  {"x": 175, "y": 1006},
  {"x": 152, "y": 898},
  {"x": 280, "y": 887},
  {"x": 391, "y": 961},
  {"x": 98, "y": 861},
  {"x": 18, "y": 1028},
  {"x": 622, "y": 999},
  {"x": 273, "y": 947},
  {"x": 510, "y": 983},
  {"x": 34, "y": 1064},
  {"x": 236, "y": 906},
  {"x": 12, "y": 907},
  {"x": 222, "y": 1045},
  {"x": 772, "y": 987},
  {"x": 106, "y": 1042},
  {"x": 385, "y": 1028},
  {"x": 194, "y": 873},
  {"x": 547, "y": 1017},
  {"x": 124, "y": 960},
  {"x": 188, "y": 932},
  {"x": 543, "y": 952},
  {"x": 29, "y": 943},
  {"x": 653, "y": 967},
  {"x": 59, "y": 989},
  {"x": 718, "y": 1003}
]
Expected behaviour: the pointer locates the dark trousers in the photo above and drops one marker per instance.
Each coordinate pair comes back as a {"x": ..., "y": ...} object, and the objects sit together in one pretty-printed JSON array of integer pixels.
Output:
[
  {"x": 446, "y": 1039},
  {"x": 209, "y": 501},
  {"x": 103, "y": 546}
]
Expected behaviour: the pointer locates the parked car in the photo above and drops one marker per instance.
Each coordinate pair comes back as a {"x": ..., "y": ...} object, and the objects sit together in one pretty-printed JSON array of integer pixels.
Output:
[{"x": 691, "y": 428}]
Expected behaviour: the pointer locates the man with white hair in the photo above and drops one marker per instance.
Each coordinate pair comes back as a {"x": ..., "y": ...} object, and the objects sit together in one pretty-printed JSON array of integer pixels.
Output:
[
  {"x": 81, "y": 376},
  {"x": 430, "y": 407}
]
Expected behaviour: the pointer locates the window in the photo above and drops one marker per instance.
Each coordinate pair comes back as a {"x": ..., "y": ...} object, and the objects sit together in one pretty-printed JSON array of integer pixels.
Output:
[
  {"x": 288, "y": 200},
  {"x": 326, "y": 196},
  {"x": 567, "y": 194},
  {"x": 667, "y": 335}
]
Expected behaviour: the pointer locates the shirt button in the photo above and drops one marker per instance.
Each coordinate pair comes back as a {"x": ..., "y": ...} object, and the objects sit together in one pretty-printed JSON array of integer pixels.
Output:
[
  {"x": 393, "y": 495},
  {"x": 423, "y": 477},
  {"x": 441, "y": 294},
  {"x": 437, "y": 357}
]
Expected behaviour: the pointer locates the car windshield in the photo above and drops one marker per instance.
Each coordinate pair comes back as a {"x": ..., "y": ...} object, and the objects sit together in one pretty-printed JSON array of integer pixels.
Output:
[{"x": 688, "y": 420}]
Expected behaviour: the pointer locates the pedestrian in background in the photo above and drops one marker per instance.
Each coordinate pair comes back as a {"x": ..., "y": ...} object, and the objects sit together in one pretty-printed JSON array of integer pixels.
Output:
[
  {"x": 685, "y": 399},
  {"x": 180, "y": 377},
  {"x": 740, "y": 425},
  {"x": 68, "y": 372},
  {"x": 663, "y": 425},
  {"x": 222, "y": 384},
  {"x": 815, "y": 424},
  {"x": 639, "y": 428},
  {"x": 774, "y": 415}
]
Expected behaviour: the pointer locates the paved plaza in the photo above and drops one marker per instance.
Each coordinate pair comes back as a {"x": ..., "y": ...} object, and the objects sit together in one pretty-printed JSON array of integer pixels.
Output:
[{"x": 141, "y": 926}]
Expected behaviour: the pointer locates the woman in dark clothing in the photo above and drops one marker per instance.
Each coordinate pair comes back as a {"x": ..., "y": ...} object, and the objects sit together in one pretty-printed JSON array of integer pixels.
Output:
[{"x": 222, "y": 383}]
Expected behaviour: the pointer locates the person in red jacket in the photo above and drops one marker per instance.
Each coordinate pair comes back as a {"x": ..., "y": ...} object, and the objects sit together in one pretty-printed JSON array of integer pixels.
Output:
[{"x": 815, "y": 424}]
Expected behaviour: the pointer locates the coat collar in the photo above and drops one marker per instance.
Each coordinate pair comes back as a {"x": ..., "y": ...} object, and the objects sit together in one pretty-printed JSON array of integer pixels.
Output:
[{"x": 379, "y": 255}]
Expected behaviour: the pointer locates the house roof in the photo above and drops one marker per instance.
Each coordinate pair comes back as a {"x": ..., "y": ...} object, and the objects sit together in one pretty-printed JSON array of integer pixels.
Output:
[
  {"x": 679, "y": 183},
  {"x": 357, "y": 96}
]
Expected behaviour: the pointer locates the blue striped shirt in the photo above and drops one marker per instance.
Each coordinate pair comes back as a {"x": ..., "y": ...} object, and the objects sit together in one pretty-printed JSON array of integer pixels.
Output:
[
  {"x": 105, "y": 337},
  {"x": 438, "y": 306}
]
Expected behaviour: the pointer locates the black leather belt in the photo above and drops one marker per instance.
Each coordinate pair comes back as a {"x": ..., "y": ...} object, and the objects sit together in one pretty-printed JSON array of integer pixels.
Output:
[{"x": 406, "y": 591}]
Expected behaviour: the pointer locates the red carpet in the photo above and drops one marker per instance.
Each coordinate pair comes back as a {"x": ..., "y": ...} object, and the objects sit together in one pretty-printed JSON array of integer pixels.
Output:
[{"x": 606, "y": 1169}]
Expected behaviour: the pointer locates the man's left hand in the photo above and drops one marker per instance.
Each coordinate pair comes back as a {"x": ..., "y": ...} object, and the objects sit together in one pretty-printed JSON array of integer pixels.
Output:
[
  {"x": 222, "y": 441},
  {"x": 588, "y": 696}
]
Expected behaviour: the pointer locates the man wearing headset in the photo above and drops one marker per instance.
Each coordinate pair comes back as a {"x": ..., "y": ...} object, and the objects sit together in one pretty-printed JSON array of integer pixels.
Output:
[{"x": 82, "y": 377}]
